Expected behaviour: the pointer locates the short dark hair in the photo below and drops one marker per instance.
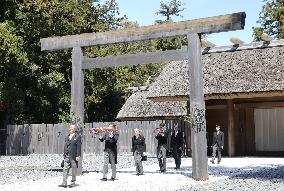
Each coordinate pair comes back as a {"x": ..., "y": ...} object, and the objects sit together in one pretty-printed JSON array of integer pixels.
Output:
[{"x": 162, "y": 125}]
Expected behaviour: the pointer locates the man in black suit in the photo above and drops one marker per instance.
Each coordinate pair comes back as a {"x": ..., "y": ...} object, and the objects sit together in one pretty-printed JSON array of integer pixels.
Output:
[
  {"x": 72, "y": 153},
  {"x": 162, "y": 137},
  {"x": 176, "y": 144},
  {"x": 217, "y": 144},
  {"x": 110, "y": 137},
  {"x": 138, "y": 147}
]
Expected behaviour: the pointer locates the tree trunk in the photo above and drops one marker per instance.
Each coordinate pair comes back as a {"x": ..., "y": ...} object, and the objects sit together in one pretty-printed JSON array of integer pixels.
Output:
[{"x": 197, "y": 110}]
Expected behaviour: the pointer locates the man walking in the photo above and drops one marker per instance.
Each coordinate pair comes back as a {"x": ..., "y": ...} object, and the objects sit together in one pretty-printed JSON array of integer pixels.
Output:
[
  {"x": 217, "y": 144},
  {"x": 176, "y": 144},
  {"x": 162, "y": 137},
  {"x": 110, "y": 137},
  {"x": 138, "y": 146},
  {"x": 72, "y": 153}
]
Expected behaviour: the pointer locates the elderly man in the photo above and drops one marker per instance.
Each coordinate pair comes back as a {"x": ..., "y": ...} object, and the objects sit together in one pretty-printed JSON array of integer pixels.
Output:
[
  {"x": 72, "y": 153},
  {"x": 138, "y": 147},
  {"x": 110, "y": 137}
]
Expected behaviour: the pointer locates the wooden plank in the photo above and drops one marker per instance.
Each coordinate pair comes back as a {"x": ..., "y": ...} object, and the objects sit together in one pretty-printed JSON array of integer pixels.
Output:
[
  {"x": 134, "y": 59},
  {"x": 77, "y": 85},
  {"x": 197, "y": 109},
  {"x": 223, "y": 23},
  {"x": 26, "y": 140},
  {"x": 231, "y": 129},
  {"x": 8, "y": 140},
  {"x": 262, "y": 105}
]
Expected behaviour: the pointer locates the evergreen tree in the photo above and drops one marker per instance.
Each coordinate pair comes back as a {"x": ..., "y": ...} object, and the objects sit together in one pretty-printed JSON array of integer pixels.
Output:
[
  {"x": 271, "y": 19},
  {"x": 174, "y": 7}
]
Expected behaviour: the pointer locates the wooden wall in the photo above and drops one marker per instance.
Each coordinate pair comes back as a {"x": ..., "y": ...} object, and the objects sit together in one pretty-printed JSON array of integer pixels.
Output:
[
  {"x": 49, "y": 138},
  {"x": 243, "y": 127}
]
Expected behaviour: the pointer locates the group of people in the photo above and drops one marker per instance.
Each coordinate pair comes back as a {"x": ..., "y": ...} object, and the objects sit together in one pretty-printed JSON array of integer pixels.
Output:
[{"x": 72, "y": 149}]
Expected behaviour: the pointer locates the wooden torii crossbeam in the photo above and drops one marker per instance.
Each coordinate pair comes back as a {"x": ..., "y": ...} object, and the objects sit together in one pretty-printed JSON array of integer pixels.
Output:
[{"x": 192, "y": 29}]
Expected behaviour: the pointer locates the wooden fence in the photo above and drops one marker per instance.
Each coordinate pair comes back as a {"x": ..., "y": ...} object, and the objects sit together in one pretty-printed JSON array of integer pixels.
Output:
[{"x": 49, "y": 138}]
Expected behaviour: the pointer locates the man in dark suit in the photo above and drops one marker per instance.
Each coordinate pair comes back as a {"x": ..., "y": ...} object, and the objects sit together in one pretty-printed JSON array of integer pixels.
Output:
[
  {"x": 176, "y": 144},
  {"x": 138, "y": 147},
  {"x": 162, "y": 137},
  {"x": 217, "y": 144},
  {"x": 72, "y": 153},
  {"x": 110, "y": 137}
]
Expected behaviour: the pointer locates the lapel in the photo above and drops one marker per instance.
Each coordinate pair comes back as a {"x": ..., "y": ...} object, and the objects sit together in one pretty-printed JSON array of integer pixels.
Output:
[{"x": 70, "y": 140}]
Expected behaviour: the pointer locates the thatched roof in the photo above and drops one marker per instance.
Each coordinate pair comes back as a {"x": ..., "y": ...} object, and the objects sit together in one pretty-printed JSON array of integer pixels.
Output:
[
  {"x": 138, "y": 106},
  {"x": 247, "y": 71},
  {"x": 227, "y": 74}
]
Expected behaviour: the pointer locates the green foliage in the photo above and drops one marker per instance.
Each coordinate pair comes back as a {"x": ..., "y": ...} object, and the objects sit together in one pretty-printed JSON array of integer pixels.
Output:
[
  {"x": 35, "y": 84},
  {"x": 174, "y": 7},
  {"x": 39, "y": 82},
  {"x": 15, "y": 70},
  {"x": 271, "y": 19}
]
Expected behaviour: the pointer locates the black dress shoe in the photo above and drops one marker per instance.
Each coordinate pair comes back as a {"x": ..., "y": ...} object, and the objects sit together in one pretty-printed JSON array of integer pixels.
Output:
[
  {"x": 72, "y": 185},
  {"x": 63, "y": 185},
  {"x": 112, "y": 179},
  {"x": 103, "y": 179},
  {"x": 212, "y": 161}
]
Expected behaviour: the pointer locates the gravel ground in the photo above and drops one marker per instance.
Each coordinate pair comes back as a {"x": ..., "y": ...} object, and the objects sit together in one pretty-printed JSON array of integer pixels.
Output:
[{"x": 42, "y": 172}]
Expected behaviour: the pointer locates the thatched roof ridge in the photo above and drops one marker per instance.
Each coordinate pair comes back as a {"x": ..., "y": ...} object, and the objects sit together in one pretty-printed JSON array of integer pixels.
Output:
[
  {"x": 138, "y": 106},
  {"x": 243, "y": 71}
]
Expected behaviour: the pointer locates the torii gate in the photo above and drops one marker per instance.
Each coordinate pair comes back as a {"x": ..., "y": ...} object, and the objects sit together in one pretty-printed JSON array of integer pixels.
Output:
[{"x": 192, "y": 29}]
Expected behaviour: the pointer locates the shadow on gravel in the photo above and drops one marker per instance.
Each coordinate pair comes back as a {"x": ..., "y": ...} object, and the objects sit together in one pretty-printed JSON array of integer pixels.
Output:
[
  {"x": 262, "y": 173},
  {"x": 255, "y": 172},
  {"x": 56, "y": 170},
  {"x": 183, "y": 172}
]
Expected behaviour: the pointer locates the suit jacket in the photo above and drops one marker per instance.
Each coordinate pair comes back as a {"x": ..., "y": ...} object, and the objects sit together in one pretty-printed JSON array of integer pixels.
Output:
[
  {"x": 177, "y": 139},
  {"x": 110, "y": 142},
  {"x": 162, "y": 138},
  {"x": 138, "y": 143},
  {"x": 72, "y": 148},
  {"x": 218, "y": 139}
]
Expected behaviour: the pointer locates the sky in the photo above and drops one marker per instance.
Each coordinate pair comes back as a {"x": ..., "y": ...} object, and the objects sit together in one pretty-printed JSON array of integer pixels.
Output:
[{"x": 144, "y": 12}]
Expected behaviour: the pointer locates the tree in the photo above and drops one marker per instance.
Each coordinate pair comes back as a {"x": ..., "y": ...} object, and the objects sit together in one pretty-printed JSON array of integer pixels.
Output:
[
  {"x": 15, "y": 70},
  {"x": 174, "y": 7},
  {"x": 271, "y": 19},
  {"x": 45, "y": 88},
  {"x": 44, "y": 78}
]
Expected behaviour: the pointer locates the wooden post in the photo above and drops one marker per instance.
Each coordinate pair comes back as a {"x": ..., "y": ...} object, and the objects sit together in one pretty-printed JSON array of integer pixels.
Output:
[
  {"x": 77, "y": 85},
  {"x": 77, "y": 91},
  {"x": 231, "y": 129},
  {"x": 197, "y": 110}
]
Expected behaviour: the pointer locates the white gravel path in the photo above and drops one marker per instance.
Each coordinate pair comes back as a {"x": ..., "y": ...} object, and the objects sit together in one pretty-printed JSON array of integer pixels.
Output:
[{"x": 244, "y": 173}]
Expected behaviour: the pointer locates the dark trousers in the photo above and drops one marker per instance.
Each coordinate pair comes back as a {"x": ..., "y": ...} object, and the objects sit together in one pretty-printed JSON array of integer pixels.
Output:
[
  {"x": 138, "y": 162},
  {"x": 162, "y": 156},
  {"x": 177, "y": 156},
  {"x": 215, "y": 149},
  {"x": 109, "y": 156},
  {"x": 69, "y": 163}
]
